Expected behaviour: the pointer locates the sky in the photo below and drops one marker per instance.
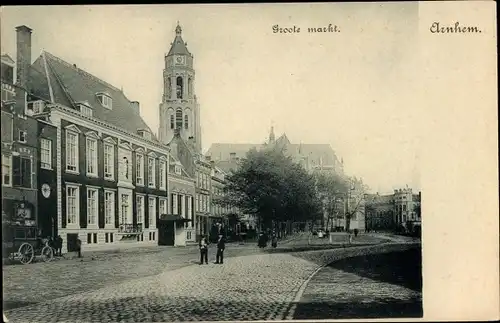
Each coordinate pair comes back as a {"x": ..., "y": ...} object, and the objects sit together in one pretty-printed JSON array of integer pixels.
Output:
[{"x": 354, "y": 89}]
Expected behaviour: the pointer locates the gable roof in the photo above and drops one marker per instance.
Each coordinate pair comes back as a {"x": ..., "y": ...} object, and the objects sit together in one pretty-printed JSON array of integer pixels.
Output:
[
  {"x": 7, "y": 59},
  {"x": 178, "y": 45},
  {"x": 70, "y": 85}
]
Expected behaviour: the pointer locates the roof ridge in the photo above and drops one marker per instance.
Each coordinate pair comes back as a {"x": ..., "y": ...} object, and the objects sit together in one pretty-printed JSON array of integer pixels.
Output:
[
  {"x": 58, "y": 80},
  {"x": 60, "y": 60}
]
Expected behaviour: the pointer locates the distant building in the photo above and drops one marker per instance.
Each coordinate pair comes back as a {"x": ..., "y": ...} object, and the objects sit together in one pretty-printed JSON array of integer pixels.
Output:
[
  {"x": 379, "y": 214},
  {"x": 310, "y": 156},
  {"x": 398, "y": 211}
]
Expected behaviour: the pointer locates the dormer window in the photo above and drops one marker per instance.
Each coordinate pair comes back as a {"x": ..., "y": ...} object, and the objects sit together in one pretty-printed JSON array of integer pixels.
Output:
[
  {"x": 177, "y": 169},
  {"x": 105, "y": 100},
  {"x": 35, "y": 107},
  {"x": 144, "y": 134},
  {"x": 85, "y": 110}
]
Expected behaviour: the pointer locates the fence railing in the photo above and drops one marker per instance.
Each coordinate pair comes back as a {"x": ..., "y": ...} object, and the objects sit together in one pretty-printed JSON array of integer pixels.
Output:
[{"x": 129, "y": 228}]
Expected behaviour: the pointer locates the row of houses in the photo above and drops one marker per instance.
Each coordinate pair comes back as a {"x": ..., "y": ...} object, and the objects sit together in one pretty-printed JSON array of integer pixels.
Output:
[
  {"x": 79, "y": 161},
  {"x": 400, "y": 211}
]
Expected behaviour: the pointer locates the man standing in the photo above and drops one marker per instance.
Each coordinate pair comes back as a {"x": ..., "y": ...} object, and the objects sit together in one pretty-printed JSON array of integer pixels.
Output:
[
  {"x": 203, "y": 250},
  {"x": 221, "y": 245},
  {"x": 59, "y": 243}
]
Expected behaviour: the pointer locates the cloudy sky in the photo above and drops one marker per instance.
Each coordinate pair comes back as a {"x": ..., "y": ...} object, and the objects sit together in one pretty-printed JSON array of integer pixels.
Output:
[{"x": 354, "y": 89}]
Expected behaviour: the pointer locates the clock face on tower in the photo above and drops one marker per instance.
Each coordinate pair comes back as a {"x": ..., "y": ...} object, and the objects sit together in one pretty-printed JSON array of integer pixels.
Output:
[{"x": 179, "y": 60}]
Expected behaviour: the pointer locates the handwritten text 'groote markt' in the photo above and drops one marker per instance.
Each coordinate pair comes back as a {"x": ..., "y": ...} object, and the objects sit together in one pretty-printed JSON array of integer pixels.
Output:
[{"x": 330, "y": 28}]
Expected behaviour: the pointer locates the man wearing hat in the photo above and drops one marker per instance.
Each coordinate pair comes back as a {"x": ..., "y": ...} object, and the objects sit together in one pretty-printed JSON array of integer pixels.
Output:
[{"x": 221, "y": 245}]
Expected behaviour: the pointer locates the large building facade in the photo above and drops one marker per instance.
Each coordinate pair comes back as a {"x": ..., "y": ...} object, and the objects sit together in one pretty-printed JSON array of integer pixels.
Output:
[{"x": 79, "y": 161}]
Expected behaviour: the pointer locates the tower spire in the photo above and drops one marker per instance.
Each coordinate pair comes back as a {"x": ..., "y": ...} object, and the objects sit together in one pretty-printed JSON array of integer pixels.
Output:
[
  {"x": 178, "y": 29},
  {"x": 271, "y": 134}
]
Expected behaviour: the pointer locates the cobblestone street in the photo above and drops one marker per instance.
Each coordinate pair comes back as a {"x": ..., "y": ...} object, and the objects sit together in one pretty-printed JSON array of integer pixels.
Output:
[
  {"x": 168, "y": 284},
  {"x": 257, "y": 287}
]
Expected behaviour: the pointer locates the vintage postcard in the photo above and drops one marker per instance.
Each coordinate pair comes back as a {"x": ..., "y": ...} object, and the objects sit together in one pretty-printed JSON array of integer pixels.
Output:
[{"x": 250, "y": 162}]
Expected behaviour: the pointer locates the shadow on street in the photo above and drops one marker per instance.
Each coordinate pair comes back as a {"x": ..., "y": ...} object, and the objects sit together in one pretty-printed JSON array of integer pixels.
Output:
[{"x": 400, "y": 268}]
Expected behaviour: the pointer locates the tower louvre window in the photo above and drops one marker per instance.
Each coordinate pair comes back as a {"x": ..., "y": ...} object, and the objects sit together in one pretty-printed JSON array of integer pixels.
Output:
[
  {"x": 186, "y": 121},
  {"x": 178, "y": 119},
  {"x": 179, "y": 87},
  {"x": 171, "y": 121}
]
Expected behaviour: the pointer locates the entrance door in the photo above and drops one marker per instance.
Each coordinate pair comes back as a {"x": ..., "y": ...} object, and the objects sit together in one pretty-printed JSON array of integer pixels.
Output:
[{"x": 166, "y": 233}]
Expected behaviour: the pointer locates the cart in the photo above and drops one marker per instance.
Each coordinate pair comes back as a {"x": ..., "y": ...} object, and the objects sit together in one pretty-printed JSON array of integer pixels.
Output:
[{"x": 23, "y": 243}]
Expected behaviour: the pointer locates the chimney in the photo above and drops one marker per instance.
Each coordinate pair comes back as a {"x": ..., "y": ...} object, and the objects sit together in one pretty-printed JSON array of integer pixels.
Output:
[
  {"x": 23, "y": 55},
  {"x": 136, "y": 106}
]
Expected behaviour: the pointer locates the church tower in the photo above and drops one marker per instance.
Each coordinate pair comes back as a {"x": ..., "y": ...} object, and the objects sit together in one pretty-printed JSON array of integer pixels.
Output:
[{"x": 179, "y": 110}]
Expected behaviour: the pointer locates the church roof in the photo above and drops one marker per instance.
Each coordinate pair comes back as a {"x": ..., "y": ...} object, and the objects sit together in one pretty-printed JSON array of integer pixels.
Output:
[
  {"x": 70, "y": 85},
  {"x": 316, "y": 154},
  {"x": 178, "y": 47}
]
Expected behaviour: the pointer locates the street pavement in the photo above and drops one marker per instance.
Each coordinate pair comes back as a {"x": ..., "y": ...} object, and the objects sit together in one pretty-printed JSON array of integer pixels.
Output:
[
  {"x": 29, "y": 284},
  {"x": 372, "y": 286},
  {"x": 168, "y": 285},
  {"x": 256, "y": 287}
]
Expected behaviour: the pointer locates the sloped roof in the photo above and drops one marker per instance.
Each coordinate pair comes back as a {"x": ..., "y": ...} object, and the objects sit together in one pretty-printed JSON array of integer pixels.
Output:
[
  {"x": 71, "y": 84},
  {"x": 226, "y": 166},
  {"x": 7, "y": 59},
  {"x": 315, "y": 153},
  {"x": 178, "y": 47},
  {"x": 222, "y": 151}
]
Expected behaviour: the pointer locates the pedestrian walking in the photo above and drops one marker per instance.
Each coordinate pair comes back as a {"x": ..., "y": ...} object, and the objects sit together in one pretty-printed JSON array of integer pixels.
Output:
[
  {"x": 274, "y": 240},
  {"x": 221, "y": 245},
  {"x": 203, "y": 250},
  {"x": 79, "y": 247},
  {"x": 59, "y": 244},
  {"x": 262, "y": 241}
]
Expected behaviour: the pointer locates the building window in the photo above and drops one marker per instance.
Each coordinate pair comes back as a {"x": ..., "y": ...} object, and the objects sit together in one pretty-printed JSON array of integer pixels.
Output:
[
  {"x": 109, "y": 161},
  {"x": 22, "y": 136},
  {"x": 21, "y": 171},
  {"x": 172, "y": 121},
  {"x": 91, "y": 155},
  {"x": 189, "y": 206},
  {"x": 152, "y": 212},
  {"x": 124, "y": 209},
  {"x": 109, "y": 208},
  {"x": 177, "y": 169},
  {"x": 71, "y": 151},
  {"x": 92, "y": 200},
  {"x": 72, "y": 204},
  {"x": 163, "y": 174},
  {"x": 139, "y": 199},
  {"x": 186, "y": 122},
  {"x": 86, "y": 111},
  {"x": 151, "y": 172},
  {"x": 105, "y": 100},
  {"x": 178, "y": 118},
  {"x": 6, "y": 170},
  {"x": 139, "y": 171},
  {"x": 45, "y": 153},
  {"x": 35, "y": 107},
  {"x": 163, "y": 206}
]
